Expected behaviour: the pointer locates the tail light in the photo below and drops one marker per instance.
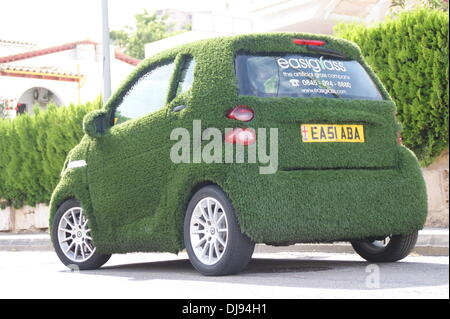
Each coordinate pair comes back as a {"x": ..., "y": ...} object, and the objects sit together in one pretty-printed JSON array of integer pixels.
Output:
[
  {"x": 241, "y": 113},
  {"x": 309, "y": 42},
  {"x": 243, "y": 136},
  {"x": 399, "y": 138}
]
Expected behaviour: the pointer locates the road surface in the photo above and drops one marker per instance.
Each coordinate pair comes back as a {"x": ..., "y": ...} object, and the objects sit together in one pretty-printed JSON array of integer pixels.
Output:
[{"x": 269, "y": 275}]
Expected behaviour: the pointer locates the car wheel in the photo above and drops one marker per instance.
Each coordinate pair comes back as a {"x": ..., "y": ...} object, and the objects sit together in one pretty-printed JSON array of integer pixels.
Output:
[
  {"x": 71, "y": 238},
  {"x": 389, "y": 249},
  {"x": 212, "y": 236}
]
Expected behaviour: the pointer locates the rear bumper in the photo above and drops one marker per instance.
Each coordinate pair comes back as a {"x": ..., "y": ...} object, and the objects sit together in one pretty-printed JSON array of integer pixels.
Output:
[{"x": 331, "y": 205}]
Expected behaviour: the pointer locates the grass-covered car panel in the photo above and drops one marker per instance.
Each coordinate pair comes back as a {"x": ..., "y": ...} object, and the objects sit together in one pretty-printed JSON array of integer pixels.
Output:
[{"x": 136, "y": 197}]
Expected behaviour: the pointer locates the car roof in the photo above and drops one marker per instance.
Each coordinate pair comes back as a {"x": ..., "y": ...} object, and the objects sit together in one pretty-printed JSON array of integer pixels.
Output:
[
  {"x": 261, "y": 43},
  {"x": 216, "y": 51}
]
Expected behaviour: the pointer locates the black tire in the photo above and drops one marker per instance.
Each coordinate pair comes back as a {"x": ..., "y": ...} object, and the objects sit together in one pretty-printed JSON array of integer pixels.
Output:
[
  {"x": 398, "y": 247},
  {"x": 239, "y": 248},
  {"x": 95, "y": 261}
]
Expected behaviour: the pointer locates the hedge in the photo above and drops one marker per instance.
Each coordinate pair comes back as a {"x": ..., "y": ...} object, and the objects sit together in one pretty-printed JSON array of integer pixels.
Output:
[
  {"x": 410, "y": 55},
  {"x": 33, "y": 150}
]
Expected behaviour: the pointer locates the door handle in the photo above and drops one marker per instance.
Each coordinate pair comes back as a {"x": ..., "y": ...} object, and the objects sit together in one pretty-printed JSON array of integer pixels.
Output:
[{"x": 178, "y": 108}]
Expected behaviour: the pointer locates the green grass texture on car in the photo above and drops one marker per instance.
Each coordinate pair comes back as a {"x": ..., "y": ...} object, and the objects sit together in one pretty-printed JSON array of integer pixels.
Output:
[{"x": 136, "y": 198}]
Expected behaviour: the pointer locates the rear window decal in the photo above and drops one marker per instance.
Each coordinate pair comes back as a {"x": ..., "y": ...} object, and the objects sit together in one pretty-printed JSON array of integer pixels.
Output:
[{"x": 303, "y": 76}]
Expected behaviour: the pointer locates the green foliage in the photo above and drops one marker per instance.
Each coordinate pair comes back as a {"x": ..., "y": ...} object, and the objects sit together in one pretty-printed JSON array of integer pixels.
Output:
[
  {"x": 33, "y": 150},
  {"x": 410, "y": 55},
  {"x": 135, "y": 196},
  {"x": 428, "y": 4},
  {"x": 148, "y": 28}
]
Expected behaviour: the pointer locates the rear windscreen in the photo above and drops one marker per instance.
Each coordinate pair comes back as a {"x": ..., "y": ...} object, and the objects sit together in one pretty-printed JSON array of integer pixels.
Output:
[{"x": 295, "y": 75}]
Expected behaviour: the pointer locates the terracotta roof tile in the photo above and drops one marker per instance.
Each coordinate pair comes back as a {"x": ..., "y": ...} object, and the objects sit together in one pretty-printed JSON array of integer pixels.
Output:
[
  {"x": 126, "y": 58},
  {"x": 41, "y": 73},
  {"x": 17, "y": 42},
  {"x": 39, "y": 52},
  {"x": 68, "y": 46}
]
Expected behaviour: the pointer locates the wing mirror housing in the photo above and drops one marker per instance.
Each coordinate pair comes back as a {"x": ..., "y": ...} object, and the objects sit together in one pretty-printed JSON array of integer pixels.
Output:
[{"x": 96, "y": 123}]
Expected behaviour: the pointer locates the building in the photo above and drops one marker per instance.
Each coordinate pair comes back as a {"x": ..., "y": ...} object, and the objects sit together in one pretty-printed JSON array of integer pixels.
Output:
[
  {"x": 231, "y": 17},
  {"x": 63, "y": 74}
]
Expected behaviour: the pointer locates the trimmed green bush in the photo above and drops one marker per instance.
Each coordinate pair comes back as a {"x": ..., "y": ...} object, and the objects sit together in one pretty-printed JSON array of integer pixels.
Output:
[
  {"x": 410, "y": 55},
  {"x": 33, "y": 150}
]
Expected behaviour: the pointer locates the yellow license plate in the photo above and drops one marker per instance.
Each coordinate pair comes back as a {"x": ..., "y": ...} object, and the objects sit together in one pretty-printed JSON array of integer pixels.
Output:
[{"x": 332, "y": 133}]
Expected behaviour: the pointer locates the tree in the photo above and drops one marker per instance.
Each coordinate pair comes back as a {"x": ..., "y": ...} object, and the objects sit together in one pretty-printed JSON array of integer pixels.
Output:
[
  {"x": 148, "y": 27},
  {"x": 402, "y": 5}
]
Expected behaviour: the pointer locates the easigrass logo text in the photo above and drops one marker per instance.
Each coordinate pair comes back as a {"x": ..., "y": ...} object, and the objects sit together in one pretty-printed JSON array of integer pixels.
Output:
[{"x": 317, "y": 65}]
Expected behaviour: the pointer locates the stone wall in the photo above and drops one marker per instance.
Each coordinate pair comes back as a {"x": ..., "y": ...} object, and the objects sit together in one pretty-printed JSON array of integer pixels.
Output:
[
  {"x": 436, "y": 178},
  {"x": 28, "y": 219},
  {"x": 24, "y": 219}
]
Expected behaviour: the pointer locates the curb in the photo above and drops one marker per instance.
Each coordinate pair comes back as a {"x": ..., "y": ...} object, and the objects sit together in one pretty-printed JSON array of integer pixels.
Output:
[
  {"x": 431, "y": 242},
  {"x": 25, "y": 242},
  {"x": 343, "y": 248}
]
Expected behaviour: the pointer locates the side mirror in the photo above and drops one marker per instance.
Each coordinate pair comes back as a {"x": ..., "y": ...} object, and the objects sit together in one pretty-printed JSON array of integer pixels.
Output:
[{"x": 95, "y": 123}]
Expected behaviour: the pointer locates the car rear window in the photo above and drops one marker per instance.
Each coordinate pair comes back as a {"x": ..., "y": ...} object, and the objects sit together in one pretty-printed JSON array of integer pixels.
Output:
[{"x": 294, "y": 75}]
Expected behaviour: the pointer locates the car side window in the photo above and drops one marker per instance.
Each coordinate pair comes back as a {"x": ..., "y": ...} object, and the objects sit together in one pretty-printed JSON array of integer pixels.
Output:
[
  {"x": 148, "y": 94},
  {"x": 186, "y": 76}
]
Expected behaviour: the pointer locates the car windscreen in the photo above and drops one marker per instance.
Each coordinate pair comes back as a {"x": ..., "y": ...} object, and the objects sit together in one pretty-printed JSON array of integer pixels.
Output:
[{"x": 300, "y": 75}]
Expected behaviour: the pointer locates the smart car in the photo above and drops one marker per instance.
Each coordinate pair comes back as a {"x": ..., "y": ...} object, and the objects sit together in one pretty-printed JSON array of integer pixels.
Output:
[{"x": 219, "y": 144}]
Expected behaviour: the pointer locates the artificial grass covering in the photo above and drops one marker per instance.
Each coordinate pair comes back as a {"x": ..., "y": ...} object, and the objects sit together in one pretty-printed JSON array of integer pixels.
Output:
[{"x": 135, "y": 197}]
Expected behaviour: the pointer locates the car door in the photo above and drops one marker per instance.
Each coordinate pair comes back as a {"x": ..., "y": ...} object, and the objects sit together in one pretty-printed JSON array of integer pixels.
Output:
[{"x": 127, "y": 166}]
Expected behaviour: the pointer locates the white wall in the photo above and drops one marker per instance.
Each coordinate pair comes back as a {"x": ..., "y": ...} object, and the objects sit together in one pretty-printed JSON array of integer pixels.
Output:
[
  {"x": 13, "y": 48},
  {"x": 309, "y": 16},
  {"x": 29, "y": 99},
  {"x": 15, "y": 87},
  {"x": 85, "y": 60}
]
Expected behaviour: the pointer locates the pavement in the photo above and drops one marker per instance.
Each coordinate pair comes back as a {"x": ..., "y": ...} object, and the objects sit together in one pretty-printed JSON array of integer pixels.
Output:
[
  {"x": 431, "y": 242},
  {"x": 305, "y": 275},
  {"x": 30, "y": 269}
]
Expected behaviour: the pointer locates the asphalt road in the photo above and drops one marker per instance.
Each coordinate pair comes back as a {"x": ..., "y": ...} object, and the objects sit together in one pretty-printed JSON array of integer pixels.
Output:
[{"x": 272, "y": 275}]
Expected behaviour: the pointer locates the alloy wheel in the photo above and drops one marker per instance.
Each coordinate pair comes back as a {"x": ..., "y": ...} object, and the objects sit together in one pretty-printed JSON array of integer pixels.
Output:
[
  {"x": 74, "y": 235},
  {"x": 209, "y": 231}
]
